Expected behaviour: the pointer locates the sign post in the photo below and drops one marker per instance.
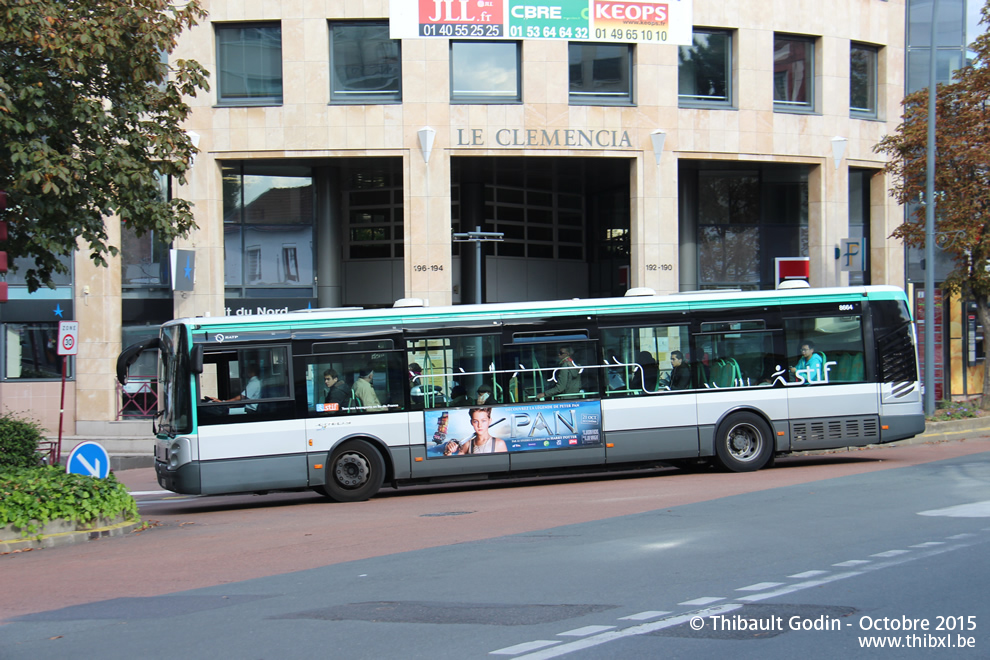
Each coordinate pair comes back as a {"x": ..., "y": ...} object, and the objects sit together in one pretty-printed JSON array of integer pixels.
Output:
[{"x": 68, "y": 344}]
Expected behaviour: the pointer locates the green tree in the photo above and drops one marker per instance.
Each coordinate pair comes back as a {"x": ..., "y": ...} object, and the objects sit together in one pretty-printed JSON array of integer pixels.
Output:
[
  {"x": 90, "y": 121},
  {"x": 962, "y": 177}
]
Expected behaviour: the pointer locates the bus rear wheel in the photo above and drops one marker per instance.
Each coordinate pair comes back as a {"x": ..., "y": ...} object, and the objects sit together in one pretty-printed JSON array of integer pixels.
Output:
[
  {"x": 744, "y": 442},
  {"x": 355, "y": 472}
]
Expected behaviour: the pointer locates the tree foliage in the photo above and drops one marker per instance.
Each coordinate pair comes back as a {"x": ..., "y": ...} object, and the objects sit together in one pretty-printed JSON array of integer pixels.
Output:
[
  {"x": 90, "y": 123},
  {"x": 962, "y": 176}
]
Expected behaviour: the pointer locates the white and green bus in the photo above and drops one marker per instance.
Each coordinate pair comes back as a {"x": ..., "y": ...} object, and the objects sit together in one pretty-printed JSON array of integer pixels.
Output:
[{"x": 428, "y": 394}]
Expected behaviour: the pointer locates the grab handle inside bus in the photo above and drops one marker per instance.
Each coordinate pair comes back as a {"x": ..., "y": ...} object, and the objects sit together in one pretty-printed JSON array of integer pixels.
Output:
[{"x": 196, "y": 359}]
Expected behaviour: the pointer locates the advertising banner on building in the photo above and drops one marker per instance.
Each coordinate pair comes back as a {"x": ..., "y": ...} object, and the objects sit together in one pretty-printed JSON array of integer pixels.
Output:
[
  {"x": 514, "y": 428},
  {"x": 635, "y": 21}
]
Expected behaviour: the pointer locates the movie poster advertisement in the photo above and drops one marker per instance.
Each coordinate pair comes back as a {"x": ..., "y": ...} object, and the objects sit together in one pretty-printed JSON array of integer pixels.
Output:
[{"x": 512, "y": 428}]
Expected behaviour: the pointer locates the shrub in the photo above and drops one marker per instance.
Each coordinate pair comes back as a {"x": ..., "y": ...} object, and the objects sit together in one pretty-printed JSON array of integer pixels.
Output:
[
  {"x": 19, "y": 440},
  {"x": 948, "y": 410},
  {"x": 31, "y": 497}
]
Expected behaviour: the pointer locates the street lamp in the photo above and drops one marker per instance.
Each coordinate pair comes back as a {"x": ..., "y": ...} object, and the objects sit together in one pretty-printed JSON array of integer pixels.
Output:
[
  {"x": 929, "y": 375},
  {"x": 478, "y": 237}
]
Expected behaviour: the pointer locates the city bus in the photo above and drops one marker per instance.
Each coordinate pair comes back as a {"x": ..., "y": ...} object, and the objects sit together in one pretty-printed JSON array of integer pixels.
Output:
[{"x": 346, "y": 400}]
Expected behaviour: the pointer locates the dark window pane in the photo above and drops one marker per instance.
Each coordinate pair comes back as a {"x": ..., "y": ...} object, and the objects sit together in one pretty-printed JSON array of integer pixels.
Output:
[
  {"x": 249, "y": 59},
  {"x": 793, "y": 73},
  {"x": 600, "y": 73},
  {"x": 863, "y": 80},
  {"x": 364, "y": 64},
  {"x": 704, "y": 69}
]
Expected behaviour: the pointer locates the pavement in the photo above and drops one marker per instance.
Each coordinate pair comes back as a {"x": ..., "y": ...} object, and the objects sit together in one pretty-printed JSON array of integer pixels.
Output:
[{"x": 134, "y": 471}]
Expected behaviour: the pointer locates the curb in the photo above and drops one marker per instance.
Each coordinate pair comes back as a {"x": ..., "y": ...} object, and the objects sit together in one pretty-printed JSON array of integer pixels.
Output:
[{"x": 59, "y": 539}]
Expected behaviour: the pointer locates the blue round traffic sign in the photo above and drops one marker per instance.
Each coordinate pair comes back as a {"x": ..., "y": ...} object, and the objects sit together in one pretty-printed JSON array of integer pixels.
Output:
[{"x": 89, "y": 458}]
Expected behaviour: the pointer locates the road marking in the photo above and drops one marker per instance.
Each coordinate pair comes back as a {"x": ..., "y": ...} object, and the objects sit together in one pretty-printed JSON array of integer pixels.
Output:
[
  {"x": 644, "y": 616},
  {"x": 927, "y": 544},
  {"x": 807, "y": 574},
  {"x": 891, "y": 553},
  {"x": 971, "y": 510},
  {"x": 704, "y": 600},
  {"x": 642, "y": 629},
  {"x": 584, "y": 632},
  {"x": 965, "y": 535},
  {"x": 526, "y": 647},
  {"x": 851, "y": 563},
  {"x": 760, "y": 586},
  {"x": 135, "y": 493}
]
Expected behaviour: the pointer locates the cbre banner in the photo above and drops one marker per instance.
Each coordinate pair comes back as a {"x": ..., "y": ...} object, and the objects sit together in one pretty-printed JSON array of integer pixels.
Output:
[{"x": 3, "y": 253}]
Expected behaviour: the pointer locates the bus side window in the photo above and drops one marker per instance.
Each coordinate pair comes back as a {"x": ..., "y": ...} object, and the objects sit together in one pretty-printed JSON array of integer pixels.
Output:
[{"x": 837, "y": 343}]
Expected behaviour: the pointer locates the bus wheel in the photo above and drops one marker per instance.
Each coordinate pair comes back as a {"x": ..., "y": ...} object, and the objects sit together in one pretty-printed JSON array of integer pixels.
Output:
[
  {"x": 355, "y": 472},
  {"x": 743, "y": 442}
]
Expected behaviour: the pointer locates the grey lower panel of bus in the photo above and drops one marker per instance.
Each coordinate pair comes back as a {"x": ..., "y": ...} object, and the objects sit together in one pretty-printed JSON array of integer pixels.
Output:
[
  {"x": 536, "y": 460},
  {"x": 900, "y": 427},
  {"x": 241, "y": 475},
  {"x": 651, "y": 444},
  {"x": 834, "y": 432}
]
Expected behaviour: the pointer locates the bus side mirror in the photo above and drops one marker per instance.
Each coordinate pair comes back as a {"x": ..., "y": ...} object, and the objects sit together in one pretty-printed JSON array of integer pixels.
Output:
[{"x": 197, "y": 359}]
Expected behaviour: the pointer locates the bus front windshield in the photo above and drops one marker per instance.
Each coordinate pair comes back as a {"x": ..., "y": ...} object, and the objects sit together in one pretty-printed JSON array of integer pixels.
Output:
[{"x": 174, "y": 398}]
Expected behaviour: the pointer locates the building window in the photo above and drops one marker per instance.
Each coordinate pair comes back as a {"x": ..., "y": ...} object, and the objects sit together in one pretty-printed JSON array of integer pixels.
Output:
[
  {"x": 704, "y": 70},
  {"x": 600, "y": 74},
  {"x": 365, "y": 64},
  {"x": 863, "y": 81},
  {"x": 249, "y": 63},
  {"x": 373, "y": 207},
  {"x": 32, "y": 352},
  {"x": 485, "y": 72},
  {"x": 268, "y": 221},
  {"x": 793, "y": 74}
]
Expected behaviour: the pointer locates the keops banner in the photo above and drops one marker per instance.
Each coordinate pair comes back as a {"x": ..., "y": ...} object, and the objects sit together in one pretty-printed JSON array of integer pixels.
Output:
[{"x": 637, "y": 21}]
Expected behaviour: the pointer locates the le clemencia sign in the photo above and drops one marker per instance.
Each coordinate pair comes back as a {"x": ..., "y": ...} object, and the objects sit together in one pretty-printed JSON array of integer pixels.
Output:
[{"x": 636, "y": 21}]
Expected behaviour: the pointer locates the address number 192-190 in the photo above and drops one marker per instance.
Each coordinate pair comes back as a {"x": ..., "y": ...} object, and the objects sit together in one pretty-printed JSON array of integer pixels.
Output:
[{"x": 659, "y": 267}]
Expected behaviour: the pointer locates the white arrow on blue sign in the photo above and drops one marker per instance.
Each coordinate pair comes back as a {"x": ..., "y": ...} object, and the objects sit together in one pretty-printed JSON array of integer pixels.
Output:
[{"x": 89, "y": 458}]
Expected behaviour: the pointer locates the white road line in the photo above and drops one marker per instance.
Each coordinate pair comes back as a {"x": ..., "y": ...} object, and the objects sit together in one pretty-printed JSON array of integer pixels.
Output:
[
  {"x": 704, "y": 600},
  {"x": 798, "y": 586},
  {"x": 971, "y": 510},
  {"x": 760, "y": 586},
  {"x": 526, "y": 647},
  {"x": 586, "y": 631},
  {"x": 851, "y": 563},
  {"x": 891, "y": 553},
  {"x": 135, "y": 493},
  {"x": 644, "y": 616},
  {"x": 928, "y": 544},
  {"x": 807, "y": 574},
  {"x": 642, "y": 629},
  {"x": 965, "y": 535}
]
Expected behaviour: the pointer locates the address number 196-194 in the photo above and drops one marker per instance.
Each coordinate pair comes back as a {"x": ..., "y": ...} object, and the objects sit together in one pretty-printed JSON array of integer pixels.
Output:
[{"x": 427, "y": 268}]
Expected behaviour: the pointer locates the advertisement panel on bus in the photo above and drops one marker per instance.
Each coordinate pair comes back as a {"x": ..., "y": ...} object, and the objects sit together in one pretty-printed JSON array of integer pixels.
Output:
[{"x": 513, "y": 428}]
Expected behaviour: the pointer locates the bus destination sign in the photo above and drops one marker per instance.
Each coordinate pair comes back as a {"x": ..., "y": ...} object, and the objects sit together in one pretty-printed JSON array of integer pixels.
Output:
[{"x": 635, "y": 21}]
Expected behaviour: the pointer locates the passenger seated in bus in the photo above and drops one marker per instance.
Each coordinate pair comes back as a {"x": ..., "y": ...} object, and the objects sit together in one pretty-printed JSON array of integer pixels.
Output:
[
  {"x": 365, "y": 393},
  {"x": 459, "y": 396},
  {"x": 680, "y": 375},
  {"x": 646, "y": 376},
  {"x": 810, "y": 366},
  {"x": 484, "y": 394},
  {"x": 566, "y": 374},
  {"x": 251, "y": 391},
  {"x": 336, "y": 391},
  {"x": 482, "y": 442}
]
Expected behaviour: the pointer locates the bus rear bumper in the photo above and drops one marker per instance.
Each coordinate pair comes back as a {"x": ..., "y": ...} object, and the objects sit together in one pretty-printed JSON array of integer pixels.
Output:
[
  {"x": 185, "y": 479},
  {"x": 901, "y": 427}
]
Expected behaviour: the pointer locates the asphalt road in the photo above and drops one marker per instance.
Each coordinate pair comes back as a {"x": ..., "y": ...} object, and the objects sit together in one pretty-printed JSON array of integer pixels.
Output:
[{"x": 582, "y": 568}]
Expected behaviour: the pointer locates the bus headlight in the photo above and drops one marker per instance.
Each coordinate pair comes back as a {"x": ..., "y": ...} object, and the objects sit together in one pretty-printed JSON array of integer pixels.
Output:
[{"x": 173, "y": 456}]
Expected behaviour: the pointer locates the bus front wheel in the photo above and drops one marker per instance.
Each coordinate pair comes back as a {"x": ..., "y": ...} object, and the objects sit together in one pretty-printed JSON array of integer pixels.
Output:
[
  {"x": 744, "y": 442},
  {"x": 355, "y": 472}
]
